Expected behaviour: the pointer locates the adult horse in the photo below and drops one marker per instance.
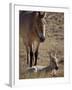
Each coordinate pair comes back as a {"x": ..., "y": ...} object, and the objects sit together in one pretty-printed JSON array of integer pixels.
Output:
[{"x": 32, "y": 30}]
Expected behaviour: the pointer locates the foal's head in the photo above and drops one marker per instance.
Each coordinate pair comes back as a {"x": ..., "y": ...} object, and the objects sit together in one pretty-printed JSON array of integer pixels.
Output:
[{"x": 40, "y": 26}]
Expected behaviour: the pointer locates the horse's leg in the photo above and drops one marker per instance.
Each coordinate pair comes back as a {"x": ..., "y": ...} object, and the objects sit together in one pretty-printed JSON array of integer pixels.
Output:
[
  {"x": 31, "y": 56},
  {"x": 36, "y": 56},
  {"x": 27, "y": 57}
]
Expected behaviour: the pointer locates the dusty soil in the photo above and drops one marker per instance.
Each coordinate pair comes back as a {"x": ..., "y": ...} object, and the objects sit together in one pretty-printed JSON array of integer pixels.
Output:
[{"x": 54, "y": 41}]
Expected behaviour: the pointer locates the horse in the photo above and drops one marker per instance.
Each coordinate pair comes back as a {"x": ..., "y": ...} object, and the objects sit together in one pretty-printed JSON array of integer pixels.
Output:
[{"x": 32, "y": 31}]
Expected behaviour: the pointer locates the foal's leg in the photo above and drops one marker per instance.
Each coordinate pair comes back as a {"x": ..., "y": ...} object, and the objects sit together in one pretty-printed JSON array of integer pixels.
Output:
[
  {"x": 31, "y": 56},
  {"x": 36, "y": 56}
]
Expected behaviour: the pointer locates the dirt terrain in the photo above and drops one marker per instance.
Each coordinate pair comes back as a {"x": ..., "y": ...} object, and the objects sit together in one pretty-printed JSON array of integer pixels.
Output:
[{"x": 54, "y": 42}]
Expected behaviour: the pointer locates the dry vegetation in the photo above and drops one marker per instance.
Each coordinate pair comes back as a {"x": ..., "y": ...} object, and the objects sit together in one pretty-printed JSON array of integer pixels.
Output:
[{"x": 54, "y": 41}]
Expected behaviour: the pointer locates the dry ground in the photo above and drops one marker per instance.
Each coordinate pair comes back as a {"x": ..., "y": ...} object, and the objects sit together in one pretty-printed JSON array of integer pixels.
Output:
[{"x": 54, "y": 41}]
